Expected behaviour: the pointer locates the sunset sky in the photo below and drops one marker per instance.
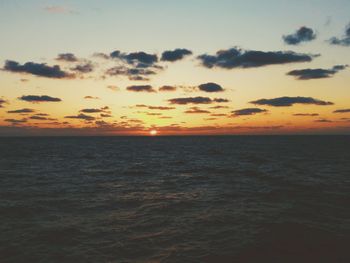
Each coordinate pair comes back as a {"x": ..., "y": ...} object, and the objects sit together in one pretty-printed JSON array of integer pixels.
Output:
[{"x": 178, "y": 67}]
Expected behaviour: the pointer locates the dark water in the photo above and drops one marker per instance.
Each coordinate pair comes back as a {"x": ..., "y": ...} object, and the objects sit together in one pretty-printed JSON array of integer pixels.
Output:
[{"x": 175, "y": 199}]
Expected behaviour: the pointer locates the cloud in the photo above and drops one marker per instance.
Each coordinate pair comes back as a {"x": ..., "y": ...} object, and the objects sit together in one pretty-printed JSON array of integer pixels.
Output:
[
  {"x": 112, "y": 87},
  {"x": 91, "y": 110},
  {"x": 323, "y": 120},
  {"x": 139, "y": 59},
  {"x": 219, "y": 107},
  {"x": 101, "y": 55},
  {"x": 176, "y": 54},
  {"x": 56, "y": 9},
  {"x": 303, "y": 34},
  {"x": 210, "y": 87},
  {"x": 25, "y": 110},
  {"x": 15, "y": 121},
  {"x": 196, "y": 110},
  {"x": 218, "y": 114},
  {"x": 141, "y": 88},
  {"x": 81, "y": 116},
  {"x": 219, "y": 100},
  {"x": 67, "y": 57},
  {"x": 37, "y": 69},
  {"x": 238, "y": 58},
  {"x": 132, "y": 73},
  {"x": 289, "y": 101},
  {"x": 137, "y": 74},
  {"x": 344, "y": 41},
  {"x": 342, "y": 111},
  {"x": 41, "y": 118},
  {"x": 248, "y": 111},
  {"x": 154, "y": 107},
  {"x": 153, "y": 113},
  {"x": 39, "y": 98},
  {"x": 84, "y": 68},
  {"x": 167, "y": 88},
  {"x": 196, "y": 100},
  {"x": 105, "y": 115},
  {"x": 306, "y": 114},
  {"x": 306, "y": 74},
  {"x": 137, "y": 66},
  {"x": 2, "y": 102},
  {"x": 91, "y": 98}
]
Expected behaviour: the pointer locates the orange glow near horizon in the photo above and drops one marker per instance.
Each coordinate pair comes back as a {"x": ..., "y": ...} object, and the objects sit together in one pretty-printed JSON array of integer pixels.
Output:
[{"x": 153, "y": 132}]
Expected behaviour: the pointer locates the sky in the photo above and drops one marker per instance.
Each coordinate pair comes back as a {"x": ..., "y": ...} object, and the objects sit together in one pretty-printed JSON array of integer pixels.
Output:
[{"x": 201, "y": 67}]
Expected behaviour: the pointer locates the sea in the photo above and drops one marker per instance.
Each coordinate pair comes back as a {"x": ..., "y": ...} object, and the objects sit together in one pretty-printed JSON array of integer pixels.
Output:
[{"x": 242, "y": 199}]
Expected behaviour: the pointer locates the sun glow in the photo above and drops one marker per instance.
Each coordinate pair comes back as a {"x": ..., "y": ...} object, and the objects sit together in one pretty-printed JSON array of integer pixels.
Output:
[{"x": 153, "y": 132}]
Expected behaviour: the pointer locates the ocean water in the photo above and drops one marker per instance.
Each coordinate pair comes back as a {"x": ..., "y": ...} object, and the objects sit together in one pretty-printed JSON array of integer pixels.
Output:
[{"x": 175, "y": 199}]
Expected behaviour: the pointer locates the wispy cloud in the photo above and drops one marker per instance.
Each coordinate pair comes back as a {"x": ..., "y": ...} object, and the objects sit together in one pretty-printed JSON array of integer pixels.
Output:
[{"x": 58, "y": 9}]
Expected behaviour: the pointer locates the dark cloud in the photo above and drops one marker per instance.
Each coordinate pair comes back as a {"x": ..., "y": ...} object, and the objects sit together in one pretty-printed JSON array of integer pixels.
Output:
[
  {"x": 289, "y": 101},
  {"x": 39, "y": 98},
  {"x": 2, "y": 102},
  {"x": 91, "y": 110},
  {"x": 137, "y": 66},
  {"x": 248, "y": 111},
  {"x": 84, "y": 68},
  {"x": 210, "y": 87},
  {"x": 139, "y": 59},
  {"x": 219, "y": 100},
  {"x": 68, "y": 57},
  {"x": 218, "y": 114},
  {"x": 323, "y": 120},
  {"x": 191, "y": 100},
  {"x": 91, "y": 98},
  {"x": 160, "y": 108},
  {"x": 306, "y": 114},
  {"x": 132, "y": 73},
  {"x": 141, "y": 88},
  {"x": 81, "y": 116},
  {"x": 41, "y": 118},
  {"x": 238, "y": 58},
  {"x": 167, "y": 88},
  {"x": 105, "y": 115},
  {"x": 342, "y": 111},
  {"x": 15, "y": 121},
  {"x": 196, "y": 110},
  {"x": 176, "y": 54},
  {"x": 25, "y": 110},
  {"x": 303, "y": 34},
  {"x": 154, "y": 107},
  {"x": 196, "y": 100},
  {"x": 153, "y": 113},
  {"x": 37, "y": 69},
  {"x": 344, "y": 41},
  {"x": 219, "y": 107},
  {"x": 138, "y": 78},
  {"x": 306, "y": 74}
]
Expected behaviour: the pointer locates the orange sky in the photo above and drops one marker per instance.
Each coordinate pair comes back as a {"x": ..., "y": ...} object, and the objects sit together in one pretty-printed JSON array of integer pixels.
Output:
[{"x": 64, "y": 85}]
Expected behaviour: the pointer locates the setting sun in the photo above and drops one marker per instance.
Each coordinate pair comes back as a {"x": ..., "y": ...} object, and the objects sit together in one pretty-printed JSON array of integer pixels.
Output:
[{"x": 153, "y": 132}]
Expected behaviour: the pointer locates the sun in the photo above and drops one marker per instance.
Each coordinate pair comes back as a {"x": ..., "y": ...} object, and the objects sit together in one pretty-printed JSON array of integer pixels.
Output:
[{"x": 153, "y": 132}]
